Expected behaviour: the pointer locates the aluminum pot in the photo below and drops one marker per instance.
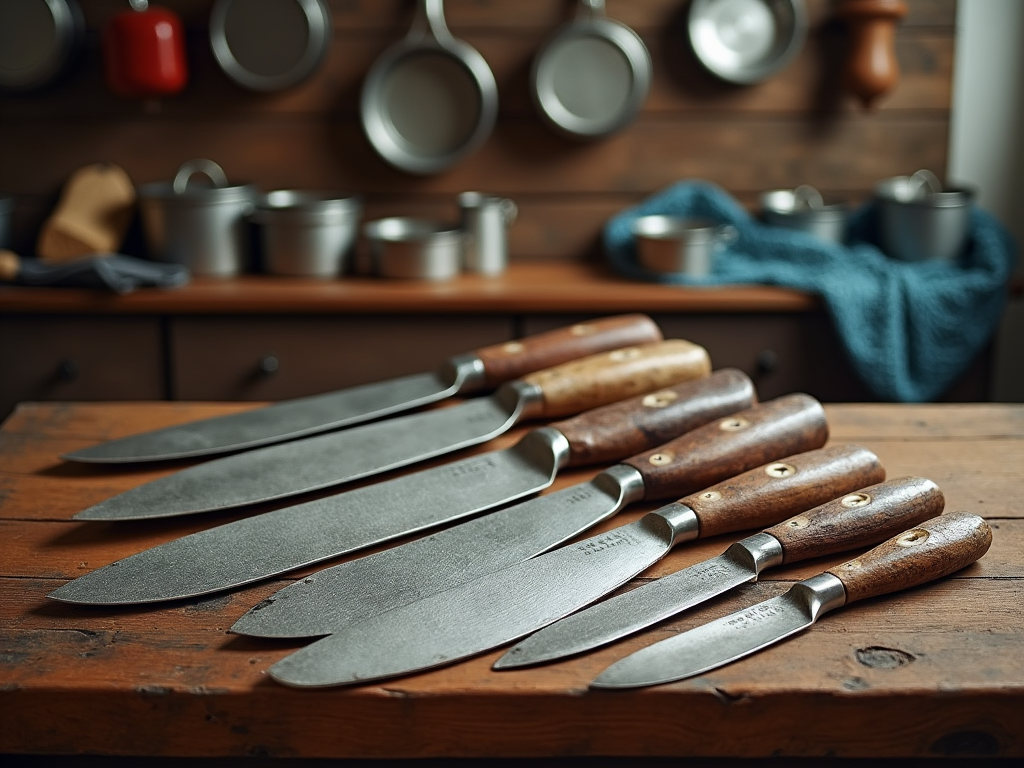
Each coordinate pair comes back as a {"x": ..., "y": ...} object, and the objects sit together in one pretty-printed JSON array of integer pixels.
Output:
[
  {"x": 201, "y": 226},
  {"x": 919, "y": 220},
  {"x": 414, "y": 249},
  {"x": 804, "y": 209},
  {"x": 677, "y": 245},
  {"x": 307, "y": 234}
]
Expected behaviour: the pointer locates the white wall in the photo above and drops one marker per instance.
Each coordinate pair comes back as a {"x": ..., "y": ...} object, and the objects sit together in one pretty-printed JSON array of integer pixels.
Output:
[{"x": 987, "y": 145}]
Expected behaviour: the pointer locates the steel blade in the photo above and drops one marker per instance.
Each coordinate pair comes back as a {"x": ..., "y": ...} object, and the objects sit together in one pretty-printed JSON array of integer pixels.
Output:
[
  {"x": 727, "y": 639},
  {"x": 337, "y": 597},
  {"x": 278, "y": 471},
  {"x": 266, "y": 545},
  {"x": 274, "y": 423},
  {"x": 481, "y": 614}
]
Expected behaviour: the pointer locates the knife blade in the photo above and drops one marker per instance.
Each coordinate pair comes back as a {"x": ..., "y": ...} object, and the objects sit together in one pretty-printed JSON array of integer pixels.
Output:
[
  {"x": 313, "y": 463},
  {"x": 505, "y": 605},
  {"x": 336, "y": 597},
  {"x": 468, "y": 373},
  {"x": 859, "y": 519},
  {"x": 936, "y": 548},
  {"x": 265, "y": 545}
]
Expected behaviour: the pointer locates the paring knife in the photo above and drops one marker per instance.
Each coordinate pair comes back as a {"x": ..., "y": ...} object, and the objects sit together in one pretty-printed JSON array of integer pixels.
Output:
[
  {"x": 859, "y": 519},
  {"x": 936, "y": 548},
  {"x": 463, "y": 374},
  {"x": 505, "y": 605},
  {"x": 337, "y": 597},
  {"x": 312, "y": 463},
  {"x": 265, "y": 545}
]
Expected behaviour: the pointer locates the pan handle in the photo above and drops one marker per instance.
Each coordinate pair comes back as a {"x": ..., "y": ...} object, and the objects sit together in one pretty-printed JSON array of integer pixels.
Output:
[
  {"x": 430, "y": 26},
  {"x": 591, "y": 9}
]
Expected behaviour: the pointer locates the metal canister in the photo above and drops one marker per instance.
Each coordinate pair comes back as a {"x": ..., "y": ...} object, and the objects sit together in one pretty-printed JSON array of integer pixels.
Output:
[
  {"x": 203, "y": 226},
  {"x": 413, "y": 249},
  {"x": 804, "y": 209},
  {"x": 307, "y": 234},
  {"x": 920, "y": 220},
  {"x": 485, "y": 222}
]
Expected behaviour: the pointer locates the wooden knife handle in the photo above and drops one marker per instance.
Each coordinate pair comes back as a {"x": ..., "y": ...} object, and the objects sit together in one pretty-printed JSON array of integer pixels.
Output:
[
  {"x": 613, "y": 432},
  {"x": 769, "y": 493},
  {"x": 608, "y": 377},
  {"x": 725, "y": 447},
  {"x": 936, "y": 548},
  {"x": 513, "y": 359},
  {"x": 859, "y": 519}
]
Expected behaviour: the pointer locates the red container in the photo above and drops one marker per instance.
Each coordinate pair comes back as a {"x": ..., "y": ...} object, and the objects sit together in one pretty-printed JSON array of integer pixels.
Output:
[{"x": 144, "y": 52}]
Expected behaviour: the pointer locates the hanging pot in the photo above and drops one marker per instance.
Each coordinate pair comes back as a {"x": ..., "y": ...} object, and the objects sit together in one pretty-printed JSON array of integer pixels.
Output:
[{"x": 39, "y": 40}]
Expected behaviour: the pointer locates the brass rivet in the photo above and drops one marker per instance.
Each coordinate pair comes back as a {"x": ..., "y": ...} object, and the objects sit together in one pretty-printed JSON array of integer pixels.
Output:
[
  {"x": 733, "y": 424},
  {"x": 912, "y": 538},
  {"x": 798, "y": 522},
  {"x": 514, "y": 347},
  {"x": 583, "y": 329},
  {"x": 620, "y": 355},
  {"x": 710, "y": 496},
  {"x": 661, "y": 459},
  {"x": 778, "y": 469},
  {"x": 855, "y": 500},
  {"x": 660, "y": 399}
]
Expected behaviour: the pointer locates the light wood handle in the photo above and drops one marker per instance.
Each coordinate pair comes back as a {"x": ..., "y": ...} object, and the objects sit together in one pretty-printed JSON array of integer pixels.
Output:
[
  {"x": 505, "y": 362},
  {"x": 728, "y": 446},
  {"x": 859, "y": 519},
  {"x": 936, "y": 548},
  {"x": 612, "y": 376},
  {"x": 613, "y": 432},
  {"x": 871, "y": 67},
  {"x": 773, "y": 492},
  {"x": 9, "y": 264}
]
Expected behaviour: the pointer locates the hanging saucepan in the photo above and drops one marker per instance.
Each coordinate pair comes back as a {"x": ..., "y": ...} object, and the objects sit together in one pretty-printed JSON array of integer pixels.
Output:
[
  {"x": 269, "y": 45},
  {"x": 430, "y": 99},
  {"x": 39, "y": 40},
  {"x": 593, "y": 76}
]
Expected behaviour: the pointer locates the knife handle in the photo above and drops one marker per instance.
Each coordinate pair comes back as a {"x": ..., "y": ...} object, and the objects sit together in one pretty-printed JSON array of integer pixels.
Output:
[
  {"x": 608, "y": 377},
  {"x": 727, "y": 446},
  {"x": 612, "y": 432},
  {"x": 769, "y": 493},
  {"x": 859, "y": 519},
  {"x": 513, "y": 359},
  {"x": 936, "y": 548}
]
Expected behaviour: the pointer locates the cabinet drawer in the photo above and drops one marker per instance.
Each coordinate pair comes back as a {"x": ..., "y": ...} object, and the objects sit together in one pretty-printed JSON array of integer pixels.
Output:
[
  {"x": 273, "y": 358},
  {"x": 79, "y": 358}
]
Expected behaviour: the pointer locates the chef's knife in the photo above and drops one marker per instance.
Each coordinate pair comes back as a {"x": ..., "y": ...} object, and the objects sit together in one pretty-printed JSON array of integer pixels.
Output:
[
  {"x": 321, "y": 461},
  {"x": 505, "y": 605},
  {"x": 859, "y": 519},
  {"x": 337, "y": 597},
  {"x": 275, "y": 542},
  {"x": 463, "y": 374},
  {"x": 936, "y": 548}
]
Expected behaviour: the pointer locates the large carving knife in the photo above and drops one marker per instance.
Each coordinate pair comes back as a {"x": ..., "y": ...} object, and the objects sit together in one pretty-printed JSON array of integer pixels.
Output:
[
  {"x": 859, "y": 519},
  {"x": 936, "y": 548},
  {"x": 322, "y": 461},
  {"x": 337, "y": 597},
  {"x": 506, "y": 605},
  {"x": 463, "y": 374},
  {"x": 276, "y": 542}
]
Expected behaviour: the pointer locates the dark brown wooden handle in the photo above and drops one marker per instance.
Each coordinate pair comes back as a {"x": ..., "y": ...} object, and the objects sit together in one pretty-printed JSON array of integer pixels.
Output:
[
  {"x": 727, "y": 446},
  {"x": 772, "y": 492},
  {"x": 936, "y": 548},
  {"x": 608, "y": 377},
  {"x": 505, "y": 362},
  {"x": 871, "y": 67},
  {"x": 859, "y": 519},
  {"x": 615, "y": 431}
]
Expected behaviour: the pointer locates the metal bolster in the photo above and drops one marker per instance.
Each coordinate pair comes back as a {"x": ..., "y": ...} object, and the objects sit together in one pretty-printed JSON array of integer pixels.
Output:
[
  {"x": 464, "y": 372},
  {"x": 522, "y": 400},
  {"x": 547, "y": 443},
  {"x": 622, "y": 482},
  {"x": 682, "y": 520},
  {"x": 820, "y": 594},
  {"x": 757, "y": 552}
]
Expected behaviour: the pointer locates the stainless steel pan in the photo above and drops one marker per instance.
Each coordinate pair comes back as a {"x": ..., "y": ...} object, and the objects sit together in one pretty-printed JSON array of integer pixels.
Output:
[{"x": 430, "y": 99}]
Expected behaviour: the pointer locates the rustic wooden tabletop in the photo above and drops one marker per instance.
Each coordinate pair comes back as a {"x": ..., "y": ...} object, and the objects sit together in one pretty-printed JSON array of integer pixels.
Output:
[{"x": 934, "y": 671}]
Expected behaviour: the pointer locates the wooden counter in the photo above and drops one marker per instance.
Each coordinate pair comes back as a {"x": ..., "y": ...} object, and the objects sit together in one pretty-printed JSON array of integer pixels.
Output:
[{"x": 935, "y": 671}]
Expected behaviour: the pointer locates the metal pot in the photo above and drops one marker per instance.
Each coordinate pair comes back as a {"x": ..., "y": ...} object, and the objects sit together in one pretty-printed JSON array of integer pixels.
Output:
[
  {"x": 804, "y": 209},
  {"x": 920, "y": 220},
  {"x": 677, "y": 245},
  {"x": 203, "y": 227},
  {"x": 416, "y": 249},
  {"x": 39, "y": 41},
  {"x": 307, "y": 234}
]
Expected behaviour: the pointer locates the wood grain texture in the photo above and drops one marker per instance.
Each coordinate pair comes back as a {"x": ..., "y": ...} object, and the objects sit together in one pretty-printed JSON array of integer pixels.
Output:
[
  {"x": 622, "y": 373},
  {"x": 504, "y": 362},
  {"x": 729, "y": 446},
  {"x": 934, "y": 549},
  {"x": 764, "y": 495},
  {"x": 861, "y": 519},
  {"x": 619, "y": 430}
]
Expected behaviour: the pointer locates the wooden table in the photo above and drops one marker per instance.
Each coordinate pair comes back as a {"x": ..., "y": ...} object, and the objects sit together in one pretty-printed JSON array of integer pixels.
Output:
[{"x": 936, "y": 671}]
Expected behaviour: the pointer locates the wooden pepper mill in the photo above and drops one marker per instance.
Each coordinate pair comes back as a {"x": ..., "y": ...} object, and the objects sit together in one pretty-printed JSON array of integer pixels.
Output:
[{"x": 871, "y": 66}]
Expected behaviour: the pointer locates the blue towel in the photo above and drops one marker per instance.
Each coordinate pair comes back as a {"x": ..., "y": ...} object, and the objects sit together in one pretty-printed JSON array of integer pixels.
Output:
[{"x": 909, "y": 328}]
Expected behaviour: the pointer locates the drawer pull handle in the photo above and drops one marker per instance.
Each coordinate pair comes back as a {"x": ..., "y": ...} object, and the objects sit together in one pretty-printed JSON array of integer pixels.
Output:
[
  {"x": 67, "y": 370},
  {"x": 269, "y": 365},
  {"x": 767, "y": 361}
]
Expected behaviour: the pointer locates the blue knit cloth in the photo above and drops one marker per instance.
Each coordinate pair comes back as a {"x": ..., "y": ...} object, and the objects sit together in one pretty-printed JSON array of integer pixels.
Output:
[{"x": 910, "y": 328}]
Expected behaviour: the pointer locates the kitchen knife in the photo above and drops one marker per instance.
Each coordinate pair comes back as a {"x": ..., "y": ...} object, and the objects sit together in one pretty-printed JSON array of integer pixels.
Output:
[
  {"x": 275, "y": 542},
  {"x": 936, "y": 548},
  {"x": 321, "y": 461},
  {"x": 859, "y": 519},
  {"x": 505, "y": 605},
  {"x": 337, "y": 597},
  {"x": 463, "y": 374}
]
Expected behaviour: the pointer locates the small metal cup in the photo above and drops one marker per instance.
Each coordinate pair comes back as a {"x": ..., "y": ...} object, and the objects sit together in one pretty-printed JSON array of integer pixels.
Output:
[
  {"x": 804, "y": 209},
  {"x": 485, "y": 222},
  {"x": 919, "y": 220},
  {"x": 414, "y": 249},
  {"x": 680, "y": 245}
]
